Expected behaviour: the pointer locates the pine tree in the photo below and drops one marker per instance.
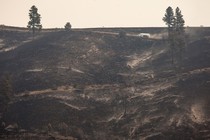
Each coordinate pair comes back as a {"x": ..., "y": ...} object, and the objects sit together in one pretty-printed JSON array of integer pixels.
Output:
[
  {"x": 169, "y": 19},
  {"x": 176, "y": 32},
  {"x": 180, "y": 32},
  {"x": 179, "y": 21},
  {"x": 35, "y": 19}
]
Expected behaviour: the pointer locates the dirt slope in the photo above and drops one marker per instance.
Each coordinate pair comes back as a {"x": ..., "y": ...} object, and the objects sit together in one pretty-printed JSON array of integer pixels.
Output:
[{"x": 90, "y": 85}]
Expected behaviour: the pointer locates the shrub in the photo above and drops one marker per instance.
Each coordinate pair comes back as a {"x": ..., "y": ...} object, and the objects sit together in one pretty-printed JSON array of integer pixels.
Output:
[{"x": 68, "y": 26}]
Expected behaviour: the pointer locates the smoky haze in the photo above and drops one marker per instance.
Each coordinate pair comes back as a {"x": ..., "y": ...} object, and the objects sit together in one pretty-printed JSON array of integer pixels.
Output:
[{"x": 103, "y": 13}]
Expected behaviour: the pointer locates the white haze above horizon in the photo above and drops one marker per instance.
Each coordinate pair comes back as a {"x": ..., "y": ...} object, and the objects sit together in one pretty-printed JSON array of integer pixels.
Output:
[{"x": 103, "y": 13}]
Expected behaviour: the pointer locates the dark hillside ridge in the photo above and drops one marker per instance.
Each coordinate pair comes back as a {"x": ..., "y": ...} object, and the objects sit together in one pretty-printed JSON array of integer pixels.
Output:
[
  {"x": 93, "y": 84},
  {"x": 98, "y": 57},
  {"x": 136, "y": 30}
]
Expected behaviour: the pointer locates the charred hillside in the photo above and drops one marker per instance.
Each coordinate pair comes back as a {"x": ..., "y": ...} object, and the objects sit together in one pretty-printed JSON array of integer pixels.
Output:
[
  {"x": 67, "y": 58},
  {"x": 94, "y": 84}
]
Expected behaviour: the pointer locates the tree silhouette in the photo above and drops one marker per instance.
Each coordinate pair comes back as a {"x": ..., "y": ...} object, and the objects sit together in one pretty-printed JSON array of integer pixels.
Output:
[
  {"x": 180, "y": 32},
  {"x": 35, "y": 19},
  {"x": 169, "y": 19},
  {"x": 176, "y": 33},
  {"x": 67, "y": 26}
]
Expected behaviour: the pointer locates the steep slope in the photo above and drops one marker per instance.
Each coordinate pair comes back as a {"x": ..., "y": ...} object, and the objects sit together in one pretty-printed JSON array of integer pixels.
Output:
[
  {"x": 63, "y": 58},
  {"x": 91, "y": 85}
]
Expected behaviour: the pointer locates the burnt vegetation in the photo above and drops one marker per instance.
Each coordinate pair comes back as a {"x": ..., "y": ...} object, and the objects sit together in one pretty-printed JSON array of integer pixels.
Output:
[
  {"x": 105, "y": 83},
  {"x": 102, "y": 84}
]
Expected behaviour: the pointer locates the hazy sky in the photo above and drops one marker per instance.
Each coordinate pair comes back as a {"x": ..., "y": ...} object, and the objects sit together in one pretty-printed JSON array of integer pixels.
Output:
[{"x": 99, "y": 13}]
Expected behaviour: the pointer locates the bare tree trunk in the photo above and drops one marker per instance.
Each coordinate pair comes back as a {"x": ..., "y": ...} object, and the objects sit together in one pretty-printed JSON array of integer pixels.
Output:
[{"x": 33, "y": 29}]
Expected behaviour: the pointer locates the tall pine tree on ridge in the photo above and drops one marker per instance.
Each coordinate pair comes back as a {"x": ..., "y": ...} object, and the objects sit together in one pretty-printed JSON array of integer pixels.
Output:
[{"x": 35, "y": 19}]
